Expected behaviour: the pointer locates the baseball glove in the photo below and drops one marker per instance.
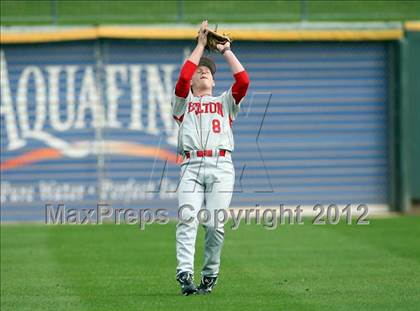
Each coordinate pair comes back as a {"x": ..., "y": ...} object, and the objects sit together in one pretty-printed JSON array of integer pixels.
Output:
[{"x": 214, "y": 38}]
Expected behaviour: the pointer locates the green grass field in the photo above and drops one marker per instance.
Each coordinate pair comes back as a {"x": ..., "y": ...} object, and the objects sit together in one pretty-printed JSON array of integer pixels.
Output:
[
  {"x": 295, "y": 267},
  {"x": 28, "y": 12}
]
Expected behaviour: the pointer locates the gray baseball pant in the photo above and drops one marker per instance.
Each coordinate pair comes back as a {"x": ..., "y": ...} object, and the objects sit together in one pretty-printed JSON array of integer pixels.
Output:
[{"x": 206, "y": 183}]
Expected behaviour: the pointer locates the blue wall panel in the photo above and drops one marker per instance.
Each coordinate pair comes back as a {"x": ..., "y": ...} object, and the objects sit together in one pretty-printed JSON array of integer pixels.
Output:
[{"x": 88, "y": 122}]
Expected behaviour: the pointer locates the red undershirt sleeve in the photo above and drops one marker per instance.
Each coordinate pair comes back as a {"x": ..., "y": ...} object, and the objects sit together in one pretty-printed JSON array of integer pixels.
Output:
[
  {"x": 182, "y": 87},
  {"x": 240, "y": 86}
]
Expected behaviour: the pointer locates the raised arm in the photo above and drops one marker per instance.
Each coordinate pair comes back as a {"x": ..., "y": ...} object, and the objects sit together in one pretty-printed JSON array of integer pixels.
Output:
[
  {"x": 182, "y": 86},
  {"x": 241, "y": 84}
]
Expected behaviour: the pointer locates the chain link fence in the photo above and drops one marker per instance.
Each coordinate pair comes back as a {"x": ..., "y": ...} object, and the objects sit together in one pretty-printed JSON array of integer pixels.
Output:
[{"x": 61, "y": 12}]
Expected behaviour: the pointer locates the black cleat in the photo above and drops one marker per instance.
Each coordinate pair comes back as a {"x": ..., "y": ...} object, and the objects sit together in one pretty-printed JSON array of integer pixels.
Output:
[
  {"x": 185, "y": 279},
  {"x": 207, "y": 284}
]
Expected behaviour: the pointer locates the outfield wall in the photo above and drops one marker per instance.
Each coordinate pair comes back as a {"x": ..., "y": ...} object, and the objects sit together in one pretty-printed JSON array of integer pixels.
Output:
[{"x": 89, "y": 121}]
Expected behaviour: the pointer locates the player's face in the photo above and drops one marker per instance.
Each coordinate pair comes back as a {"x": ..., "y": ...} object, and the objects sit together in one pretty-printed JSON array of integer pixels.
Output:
[{"x": 202, "y": 78}]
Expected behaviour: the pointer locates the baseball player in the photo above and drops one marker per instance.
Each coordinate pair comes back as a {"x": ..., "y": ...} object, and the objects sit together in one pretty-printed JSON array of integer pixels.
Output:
[{"x": 205, "y": 142}]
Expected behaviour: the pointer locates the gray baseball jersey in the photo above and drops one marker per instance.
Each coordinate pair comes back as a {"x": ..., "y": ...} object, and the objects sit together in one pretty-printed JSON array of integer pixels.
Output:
[{"x": 205, "y": 123}]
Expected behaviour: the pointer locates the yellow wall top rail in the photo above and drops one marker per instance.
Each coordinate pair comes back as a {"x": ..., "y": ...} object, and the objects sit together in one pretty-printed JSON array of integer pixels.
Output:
[{"x": 18, "y": 35}]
